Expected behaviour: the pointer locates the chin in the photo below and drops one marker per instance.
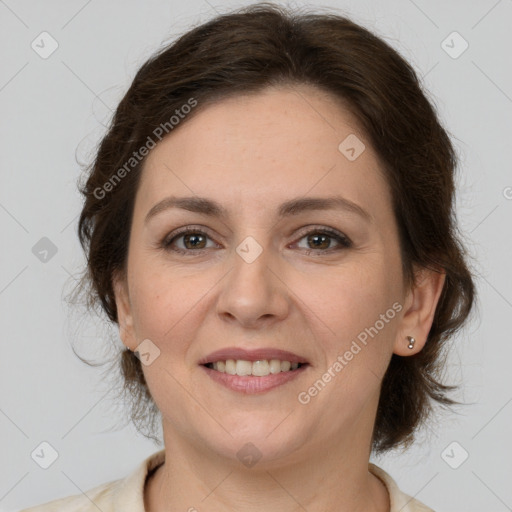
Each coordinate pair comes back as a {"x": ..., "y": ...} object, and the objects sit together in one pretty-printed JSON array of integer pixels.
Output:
[{"x": 265, "y": 444}]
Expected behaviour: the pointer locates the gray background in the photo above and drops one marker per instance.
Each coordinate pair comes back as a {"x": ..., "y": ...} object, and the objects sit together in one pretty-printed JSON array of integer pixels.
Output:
[{"x": 54, "y": 110}]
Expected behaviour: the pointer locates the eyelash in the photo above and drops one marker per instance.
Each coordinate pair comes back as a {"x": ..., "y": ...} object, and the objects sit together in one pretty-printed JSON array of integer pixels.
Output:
[{"x": 344, "y": 242}]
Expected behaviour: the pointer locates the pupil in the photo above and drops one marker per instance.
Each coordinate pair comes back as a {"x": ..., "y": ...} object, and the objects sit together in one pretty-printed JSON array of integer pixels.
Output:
[
  {"x": 194, "y": 239},
  {"x": 317, "y": 238}
]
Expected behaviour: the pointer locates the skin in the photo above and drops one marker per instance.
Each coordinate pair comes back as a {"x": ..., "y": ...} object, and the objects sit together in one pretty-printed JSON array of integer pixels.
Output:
[{"x": 250, "y": 154}]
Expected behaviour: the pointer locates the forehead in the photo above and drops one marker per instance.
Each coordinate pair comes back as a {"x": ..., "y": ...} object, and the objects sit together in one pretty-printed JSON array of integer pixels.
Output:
[{"x": 266, "y": 147}]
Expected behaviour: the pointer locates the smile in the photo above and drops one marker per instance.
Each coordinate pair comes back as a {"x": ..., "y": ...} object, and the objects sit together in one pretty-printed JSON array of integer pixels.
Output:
[{"x": 255, "y": 370}]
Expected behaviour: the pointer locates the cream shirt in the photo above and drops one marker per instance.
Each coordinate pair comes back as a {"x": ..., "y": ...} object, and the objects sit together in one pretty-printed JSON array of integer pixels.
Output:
[{"x": 127, "y": 494}]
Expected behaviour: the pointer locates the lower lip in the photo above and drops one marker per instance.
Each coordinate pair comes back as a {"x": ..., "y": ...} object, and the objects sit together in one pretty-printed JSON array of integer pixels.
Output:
[{"x": 252, "y": 385}]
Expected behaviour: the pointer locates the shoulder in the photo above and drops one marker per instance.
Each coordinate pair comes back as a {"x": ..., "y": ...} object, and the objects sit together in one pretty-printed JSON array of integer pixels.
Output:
[
  {"x": 98, "y": 497},
  {"x": 125, "y": 494},
  {"x": 400, "y": 502}
]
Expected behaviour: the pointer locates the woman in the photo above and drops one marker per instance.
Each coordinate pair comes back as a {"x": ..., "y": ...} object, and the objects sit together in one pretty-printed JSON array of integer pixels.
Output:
[{"x": 269, "y": 220}]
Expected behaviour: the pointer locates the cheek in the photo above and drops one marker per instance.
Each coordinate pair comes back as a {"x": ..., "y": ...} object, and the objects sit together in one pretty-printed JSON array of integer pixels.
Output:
[
  {"x": 351, "y": 299},
  {"x": 356, "y": 321},
  {"x": 165, "y": 302},
  {"x": 153, "y": 300}
]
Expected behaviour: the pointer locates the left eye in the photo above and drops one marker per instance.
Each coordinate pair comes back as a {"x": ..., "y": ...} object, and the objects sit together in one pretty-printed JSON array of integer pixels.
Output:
[{"x": 322, "y": 240}]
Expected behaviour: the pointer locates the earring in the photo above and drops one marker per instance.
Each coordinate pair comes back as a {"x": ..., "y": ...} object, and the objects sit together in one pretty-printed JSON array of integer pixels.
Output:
[{"x": 411, "y": 342}]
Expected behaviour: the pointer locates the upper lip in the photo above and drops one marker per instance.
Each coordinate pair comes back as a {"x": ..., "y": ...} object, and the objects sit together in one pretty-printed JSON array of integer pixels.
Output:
[{"x": 252, "y": 355}]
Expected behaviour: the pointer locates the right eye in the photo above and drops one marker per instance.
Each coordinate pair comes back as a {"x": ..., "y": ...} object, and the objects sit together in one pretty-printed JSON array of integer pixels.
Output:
[{"x": 191, "y": 240}]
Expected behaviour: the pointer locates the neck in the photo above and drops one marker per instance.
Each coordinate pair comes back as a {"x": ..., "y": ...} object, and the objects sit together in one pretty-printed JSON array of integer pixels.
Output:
[{"x": 328, "y": 479}]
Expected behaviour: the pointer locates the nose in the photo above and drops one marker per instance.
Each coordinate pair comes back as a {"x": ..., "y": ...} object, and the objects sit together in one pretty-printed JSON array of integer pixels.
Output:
[{"x": 253, "y": 294}]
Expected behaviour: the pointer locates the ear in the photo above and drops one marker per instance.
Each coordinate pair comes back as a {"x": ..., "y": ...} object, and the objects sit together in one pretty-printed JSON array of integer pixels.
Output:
[
  {"x": 420, "y": 306},
  {"x": 124, "y": 310}
]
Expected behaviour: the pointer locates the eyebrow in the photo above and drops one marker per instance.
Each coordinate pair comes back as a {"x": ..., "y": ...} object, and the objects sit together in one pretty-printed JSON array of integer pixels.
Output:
[{"x": 205, "y": 206}]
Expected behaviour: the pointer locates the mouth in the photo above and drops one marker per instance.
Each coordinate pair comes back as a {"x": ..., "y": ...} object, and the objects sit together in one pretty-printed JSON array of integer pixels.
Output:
[{"x": 253, "y": 371}]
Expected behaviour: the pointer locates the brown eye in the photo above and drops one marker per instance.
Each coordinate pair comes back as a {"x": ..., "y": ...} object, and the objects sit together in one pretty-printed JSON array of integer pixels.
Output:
[
  {"x": 187, "y": 241},
  {"x": 319, "y": 241},
  {"x": 324, "y": 241},
  {"x": 196, "y": 241}
]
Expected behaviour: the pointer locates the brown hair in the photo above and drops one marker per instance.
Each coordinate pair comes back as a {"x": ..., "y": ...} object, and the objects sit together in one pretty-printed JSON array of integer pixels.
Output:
[{"x": 245, "y": 51}]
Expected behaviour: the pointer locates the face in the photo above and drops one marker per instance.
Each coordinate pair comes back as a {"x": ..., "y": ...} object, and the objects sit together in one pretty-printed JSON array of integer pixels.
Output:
[{"x": 321, "y": 281}]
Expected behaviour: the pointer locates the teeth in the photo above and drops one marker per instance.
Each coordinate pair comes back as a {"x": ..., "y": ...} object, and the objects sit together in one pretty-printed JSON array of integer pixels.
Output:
[
  {"x": 230, "y": 367},
  {"x": 255, "y": 368},
  {"x": 275, "y": 366},
  {"x": 259, "y": 368},
  {"x": 243, "y": 367}
]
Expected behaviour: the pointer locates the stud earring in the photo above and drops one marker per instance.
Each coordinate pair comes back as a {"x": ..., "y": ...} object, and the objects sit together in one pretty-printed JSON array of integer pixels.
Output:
[{"x": 411, "y": 342}]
